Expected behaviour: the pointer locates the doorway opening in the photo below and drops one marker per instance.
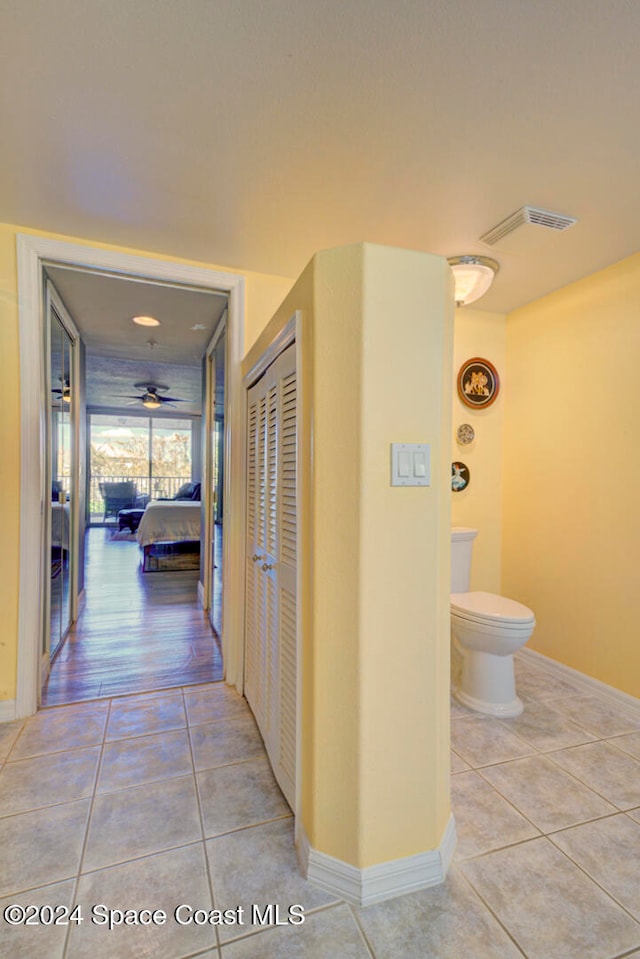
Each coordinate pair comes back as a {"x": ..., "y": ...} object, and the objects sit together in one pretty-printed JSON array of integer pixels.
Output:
[
  {"x": 169, "y": 600},
  {"x": 141, "y": 510}
]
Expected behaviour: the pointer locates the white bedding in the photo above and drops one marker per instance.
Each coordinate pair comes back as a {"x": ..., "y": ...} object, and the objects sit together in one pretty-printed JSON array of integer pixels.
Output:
[
  {"x": 173, "y": 521},
  {"x": 60, "y": 524}
]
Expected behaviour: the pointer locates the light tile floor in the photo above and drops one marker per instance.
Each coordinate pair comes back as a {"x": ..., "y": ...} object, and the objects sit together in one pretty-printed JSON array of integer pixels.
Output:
[{"x": 152, "y": 801}]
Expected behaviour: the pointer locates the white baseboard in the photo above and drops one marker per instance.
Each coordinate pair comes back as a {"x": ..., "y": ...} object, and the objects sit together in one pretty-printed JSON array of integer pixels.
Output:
[
  {"x": 7, "y": 710},
  {"x": 364, "y": 887},
  {"x": 587, "y": 683}
]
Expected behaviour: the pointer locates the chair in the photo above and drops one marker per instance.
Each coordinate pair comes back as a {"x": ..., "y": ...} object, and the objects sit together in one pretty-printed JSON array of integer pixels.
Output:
[{"x": 122, "y": 495}]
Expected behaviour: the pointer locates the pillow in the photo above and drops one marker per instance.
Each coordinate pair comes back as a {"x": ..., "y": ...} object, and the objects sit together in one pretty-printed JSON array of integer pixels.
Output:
[
  {"x": 196, "y": 491},
  {"x": 185, "y": 491}
]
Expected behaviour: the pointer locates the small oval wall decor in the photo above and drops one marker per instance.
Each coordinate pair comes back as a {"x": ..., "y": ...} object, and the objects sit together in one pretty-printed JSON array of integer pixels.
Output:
[
  {"x": 465, "y": 434},
  {"x": 460, "y": 477},
  {"x": 478, "y": 383}
]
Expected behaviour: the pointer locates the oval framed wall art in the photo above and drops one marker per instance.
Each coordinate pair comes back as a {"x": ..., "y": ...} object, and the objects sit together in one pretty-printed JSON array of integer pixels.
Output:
[
  {"x": 478, "y": 383},
  {"x": 460, "y": 477}
]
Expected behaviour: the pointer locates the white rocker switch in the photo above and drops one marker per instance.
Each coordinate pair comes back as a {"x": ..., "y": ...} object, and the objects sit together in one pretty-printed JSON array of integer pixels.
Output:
[{"x": 410, "y": 464}]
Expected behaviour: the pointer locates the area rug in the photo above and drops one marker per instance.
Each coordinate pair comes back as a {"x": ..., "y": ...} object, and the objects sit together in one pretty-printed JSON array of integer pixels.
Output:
[{"x": 123, "y": 534}]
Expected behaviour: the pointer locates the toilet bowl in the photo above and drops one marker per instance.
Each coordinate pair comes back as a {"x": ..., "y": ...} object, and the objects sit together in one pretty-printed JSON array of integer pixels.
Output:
[{"x": 487, "y": 630}]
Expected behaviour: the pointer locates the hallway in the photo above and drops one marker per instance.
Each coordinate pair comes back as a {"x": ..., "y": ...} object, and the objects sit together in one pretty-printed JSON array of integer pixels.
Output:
[{"x": 137, "y": 632}]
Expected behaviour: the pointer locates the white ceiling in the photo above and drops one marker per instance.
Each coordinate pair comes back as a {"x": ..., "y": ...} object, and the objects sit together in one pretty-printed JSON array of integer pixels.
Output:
[{"x": 250, "y": 134}]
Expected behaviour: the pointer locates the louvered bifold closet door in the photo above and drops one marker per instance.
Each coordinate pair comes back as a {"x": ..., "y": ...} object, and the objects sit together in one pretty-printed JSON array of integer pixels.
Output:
[
  {"x": 287, "y": 570},
  {"x": 255, "y": 647},
  {"x": 271, "y": 655}
]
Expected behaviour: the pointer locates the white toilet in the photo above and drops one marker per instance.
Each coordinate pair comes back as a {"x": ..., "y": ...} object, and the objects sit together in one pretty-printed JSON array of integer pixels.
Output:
[{"x": 487, "y": 630}]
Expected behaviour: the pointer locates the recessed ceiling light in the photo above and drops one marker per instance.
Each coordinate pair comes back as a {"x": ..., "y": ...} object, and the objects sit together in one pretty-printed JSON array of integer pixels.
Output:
[
  {"x": 146, "y": 321},
  {"x": 197, "y": 327}
]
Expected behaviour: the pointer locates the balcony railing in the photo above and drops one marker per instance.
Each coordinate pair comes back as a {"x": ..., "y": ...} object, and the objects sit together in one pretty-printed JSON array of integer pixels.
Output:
[{"x": 155, "y": 487}]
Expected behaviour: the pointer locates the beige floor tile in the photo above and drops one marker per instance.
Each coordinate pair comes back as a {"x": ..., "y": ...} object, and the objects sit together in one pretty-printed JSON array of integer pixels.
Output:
[
  {"x": 634, "y": 813},
  {"x": 605, "y": 769},
  {"x": 62, "y": 728},
  {"x": 43, "y": 780},
  {"x": 458, "y": 765},
  {"x": 484, "y": 820},
  {"x": 131, "y": 762},
  {"x": 37, "y": 941},
  {"x": 259, "y": 866},
  {"x": 140, "y": 715},
  {"x": 601, "y": 718},
  {"x": 549, "y": 906},
  {"x": 214, "y": 703},
  {"x": 240, "y": 795},
  {"x": 546, "y": 728},
  {"x": 481, "y": 742},
  {"x": 535, "y": 685},
  {"x": 545, "y": 794},
  {"x": 444, "y": 922},
  {"x": 329, "y": 934},
  {"x": 8, "y": 735},
  {"x": 142, "y": 820},
  {"x": 460, "y": 711},
  {"x": 163, "y": 881},
  {"x": 609, "y": 851},
  {"x": 42, "y": 846},
  {"x": 216, "y": 744},
  {"x": 629, "y": 743}
]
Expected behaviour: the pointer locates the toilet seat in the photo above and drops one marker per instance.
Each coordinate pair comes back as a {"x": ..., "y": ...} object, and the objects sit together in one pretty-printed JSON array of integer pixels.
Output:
[{"x": 490, "y": 609}]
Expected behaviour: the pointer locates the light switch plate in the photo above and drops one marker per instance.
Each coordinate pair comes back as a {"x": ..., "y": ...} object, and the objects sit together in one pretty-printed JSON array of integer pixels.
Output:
[{"x": 410, "y": 464}]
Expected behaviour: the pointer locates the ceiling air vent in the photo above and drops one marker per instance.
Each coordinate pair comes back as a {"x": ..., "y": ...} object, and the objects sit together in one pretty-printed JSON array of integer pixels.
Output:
[{"x": 527, "y": 215}]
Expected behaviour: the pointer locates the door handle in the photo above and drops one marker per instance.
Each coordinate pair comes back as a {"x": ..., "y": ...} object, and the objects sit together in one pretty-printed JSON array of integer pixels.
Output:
[
  {"x": 267, "y": 566},
  {"x": 255, "y": 557}
]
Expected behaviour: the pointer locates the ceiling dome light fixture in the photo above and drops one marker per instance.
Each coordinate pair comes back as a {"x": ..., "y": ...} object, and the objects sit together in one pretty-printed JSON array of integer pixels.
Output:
[
  {"x": 146, "y": 321},
  {"x": 473, "y": 275}
]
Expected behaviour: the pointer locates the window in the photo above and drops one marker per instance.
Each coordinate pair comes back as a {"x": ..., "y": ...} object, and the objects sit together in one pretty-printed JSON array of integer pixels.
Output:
[{"x": 155, "y": 452}]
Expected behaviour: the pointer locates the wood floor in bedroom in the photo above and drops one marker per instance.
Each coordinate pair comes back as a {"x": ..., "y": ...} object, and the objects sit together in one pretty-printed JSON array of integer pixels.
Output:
[{"x": 137, "y": 632}]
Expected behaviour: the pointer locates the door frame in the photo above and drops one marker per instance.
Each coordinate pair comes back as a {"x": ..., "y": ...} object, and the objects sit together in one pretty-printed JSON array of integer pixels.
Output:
[
  {"x": 207, "y": 456},
  {"x": 33, "y": 253},
  {"x": 54, "y": 301}
]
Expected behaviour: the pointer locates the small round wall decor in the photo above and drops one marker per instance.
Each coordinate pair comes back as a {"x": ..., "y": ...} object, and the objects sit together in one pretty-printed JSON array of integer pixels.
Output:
[
  {"x": 478, "y": 383},
  {"x": 460, "y": 477},
  {"x": 465, "y": 434}
]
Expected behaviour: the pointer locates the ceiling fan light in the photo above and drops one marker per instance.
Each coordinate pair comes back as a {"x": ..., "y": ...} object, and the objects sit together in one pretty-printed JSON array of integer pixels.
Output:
[
  {"x": 473, "y": 276},
  {"x": 151, "y": 402}
]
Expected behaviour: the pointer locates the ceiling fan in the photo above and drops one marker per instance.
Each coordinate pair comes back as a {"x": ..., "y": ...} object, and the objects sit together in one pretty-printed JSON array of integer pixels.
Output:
[
  {"x": 65, "y": 392},
  {"x": 150, "y": 396}
]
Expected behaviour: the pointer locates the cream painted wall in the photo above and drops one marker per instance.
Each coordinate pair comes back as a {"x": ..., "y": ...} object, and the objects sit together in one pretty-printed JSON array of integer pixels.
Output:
[
  {"x": 377, "y": 326},
  {"x": 478, "y": 333},
  {"x": 571, "y": 518},
  {"x": 9, "y": 464},
  {"x": 262, "y": 296},
  {"x": 404, "y": 555}
]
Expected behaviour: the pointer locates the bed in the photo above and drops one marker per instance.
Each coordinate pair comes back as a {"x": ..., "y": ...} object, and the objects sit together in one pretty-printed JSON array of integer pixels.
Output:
[
  {"x": 60, "y": 525},
  {"x": 165, "y": 529}
]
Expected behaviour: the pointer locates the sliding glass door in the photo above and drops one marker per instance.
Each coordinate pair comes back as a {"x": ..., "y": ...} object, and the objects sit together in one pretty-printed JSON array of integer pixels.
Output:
[{"x": 152, "y": 454}]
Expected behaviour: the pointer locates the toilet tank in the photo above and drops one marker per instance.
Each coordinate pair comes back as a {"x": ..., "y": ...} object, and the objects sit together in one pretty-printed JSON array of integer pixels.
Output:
[{"x": 462, "y": 538}]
